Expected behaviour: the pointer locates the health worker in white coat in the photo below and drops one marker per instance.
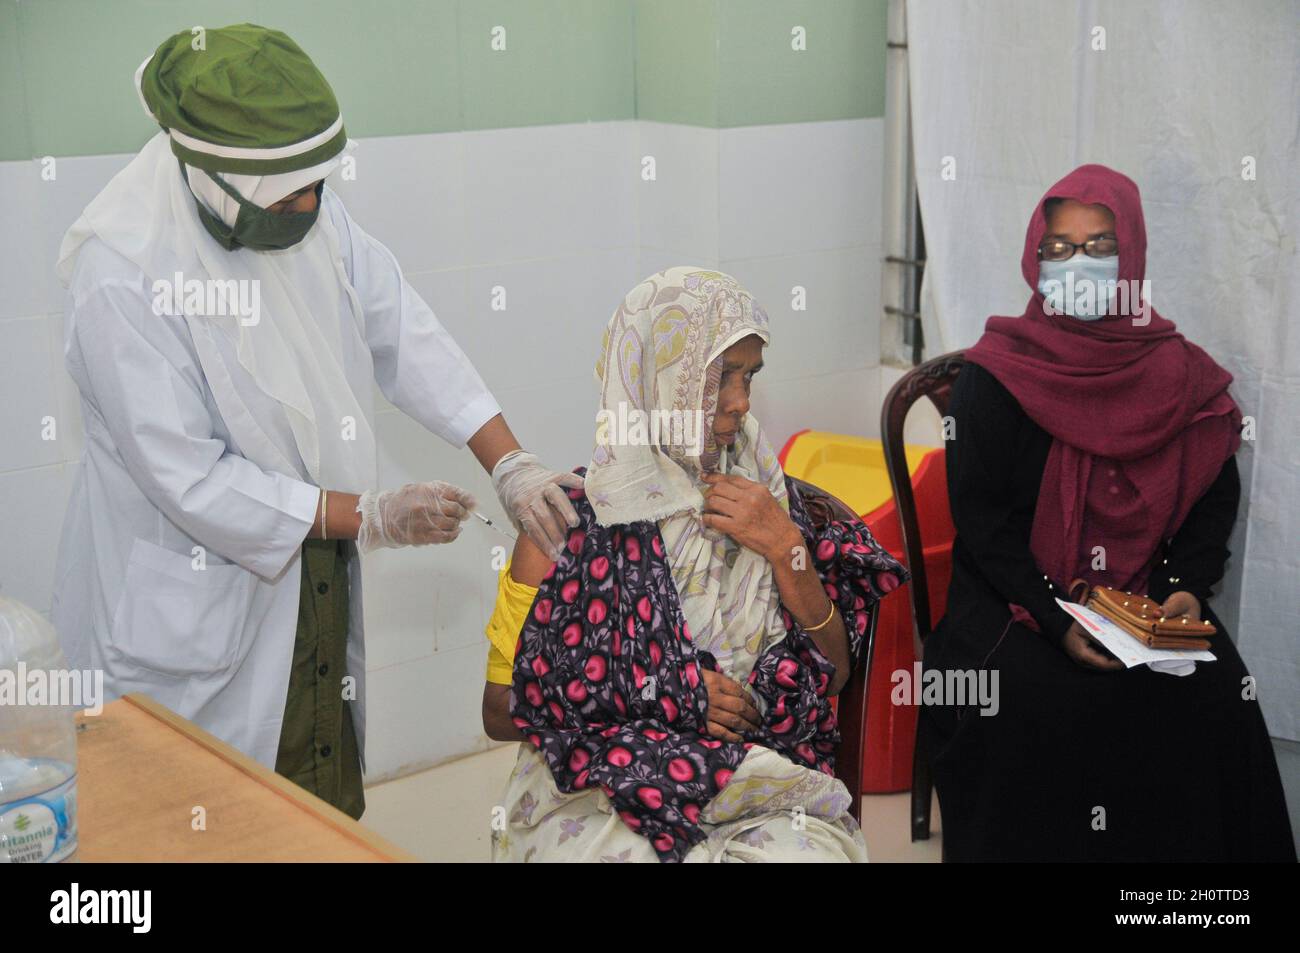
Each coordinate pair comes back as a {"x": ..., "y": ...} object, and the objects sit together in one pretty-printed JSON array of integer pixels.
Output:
[{"x": 225, "y": 321}]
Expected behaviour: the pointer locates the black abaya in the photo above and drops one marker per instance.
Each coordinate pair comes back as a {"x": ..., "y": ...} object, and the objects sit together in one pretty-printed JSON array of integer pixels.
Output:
[{"x": 1080, "y": 764}]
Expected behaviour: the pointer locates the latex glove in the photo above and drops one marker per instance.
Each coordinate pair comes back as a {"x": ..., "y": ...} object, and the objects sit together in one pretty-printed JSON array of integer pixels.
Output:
[
  {"x": 535, "y": 500},
  {"x": 412, "y": 515}
]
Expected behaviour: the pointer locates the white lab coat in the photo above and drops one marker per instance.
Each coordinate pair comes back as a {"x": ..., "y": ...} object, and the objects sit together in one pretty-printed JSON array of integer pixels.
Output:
[{"x": 162, "y": 484}]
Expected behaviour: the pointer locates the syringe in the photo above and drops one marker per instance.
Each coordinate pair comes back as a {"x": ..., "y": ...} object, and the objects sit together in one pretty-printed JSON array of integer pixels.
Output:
[{"x": 503, "y": 532}]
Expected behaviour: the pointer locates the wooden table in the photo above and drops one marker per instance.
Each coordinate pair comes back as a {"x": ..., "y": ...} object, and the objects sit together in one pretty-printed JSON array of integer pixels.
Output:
[{"x": 143, "y": 770}]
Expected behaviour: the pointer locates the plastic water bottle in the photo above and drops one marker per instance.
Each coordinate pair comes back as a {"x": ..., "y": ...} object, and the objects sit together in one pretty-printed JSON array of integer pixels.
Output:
[{"x": 38, "y": 743}]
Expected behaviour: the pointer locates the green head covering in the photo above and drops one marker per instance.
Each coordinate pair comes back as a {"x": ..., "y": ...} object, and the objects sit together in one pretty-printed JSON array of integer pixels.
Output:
[{"x": 249, "y": 101}]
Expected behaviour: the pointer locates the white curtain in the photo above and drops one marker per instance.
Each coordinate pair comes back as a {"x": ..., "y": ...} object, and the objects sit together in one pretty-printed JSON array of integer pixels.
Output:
[{"x": 1183, "y": 96}]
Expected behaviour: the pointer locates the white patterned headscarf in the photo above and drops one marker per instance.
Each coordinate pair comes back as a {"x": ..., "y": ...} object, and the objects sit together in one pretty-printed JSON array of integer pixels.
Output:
[{"x": 659, "y": 371}]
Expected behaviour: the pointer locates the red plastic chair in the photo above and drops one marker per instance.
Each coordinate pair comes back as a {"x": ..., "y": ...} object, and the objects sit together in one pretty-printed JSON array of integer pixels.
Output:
[
  {"x": 892, "y": 738},
  {"x": 934, "y": 380}
]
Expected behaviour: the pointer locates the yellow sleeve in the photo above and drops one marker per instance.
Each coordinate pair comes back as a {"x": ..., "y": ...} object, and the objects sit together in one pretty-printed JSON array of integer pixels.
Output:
[{"x": 514, "y": 599}]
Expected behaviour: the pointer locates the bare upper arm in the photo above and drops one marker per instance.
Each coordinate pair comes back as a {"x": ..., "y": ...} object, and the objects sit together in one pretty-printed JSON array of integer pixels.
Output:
[
  {"x": 496, "y": 697},
  {"x": 529, "y": 564},
  {"x": 497, "y": 723}
]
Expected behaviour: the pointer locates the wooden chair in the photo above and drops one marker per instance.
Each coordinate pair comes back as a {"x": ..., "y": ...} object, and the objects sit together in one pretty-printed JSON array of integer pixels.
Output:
[
  {"x": 934, "y": 380},
  {"x": 852, "y": 700}
]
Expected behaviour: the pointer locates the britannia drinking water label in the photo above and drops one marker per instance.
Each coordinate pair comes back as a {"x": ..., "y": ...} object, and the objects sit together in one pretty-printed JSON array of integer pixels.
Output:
[{"x": 41, "y": 827}]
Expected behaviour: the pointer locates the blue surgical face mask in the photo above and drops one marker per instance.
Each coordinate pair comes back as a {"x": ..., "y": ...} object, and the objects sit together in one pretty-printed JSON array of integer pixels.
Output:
[{"x": 1062, "y": 283}]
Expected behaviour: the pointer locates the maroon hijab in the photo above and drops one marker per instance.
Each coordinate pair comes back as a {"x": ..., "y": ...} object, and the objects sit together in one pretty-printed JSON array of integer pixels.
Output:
[{"x": 1140, "y": 418}]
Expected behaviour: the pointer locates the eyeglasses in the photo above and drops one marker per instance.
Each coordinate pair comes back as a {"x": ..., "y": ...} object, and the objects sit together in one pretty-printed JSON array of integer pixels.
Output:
[{"x": 1060, "y": 250}]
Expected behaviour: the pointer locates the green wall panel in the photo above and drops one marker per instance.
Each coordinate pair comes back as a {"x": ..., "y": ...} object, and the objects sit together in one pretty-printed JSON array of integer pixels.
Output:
[
  {"x": 677, "y": 61},
  {"x": 840, "y": 74},
  {"x": 402, "y": 67},
  {"x": 563, "y": 61}
]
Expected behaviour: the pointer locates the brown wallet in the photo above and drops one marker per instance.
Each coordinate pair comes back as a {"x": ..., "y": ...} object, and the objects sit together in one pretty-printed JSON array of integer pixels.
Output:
[{"x": 1141, "y": 618}]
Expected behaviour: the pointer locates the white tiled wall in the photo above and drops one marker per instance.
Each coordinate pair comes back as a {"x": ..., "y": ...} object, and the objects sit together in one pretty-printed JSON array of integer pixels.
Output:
[
  {"x": 677, "y": 208},
  {"x": 36, "y": 472},
  {"x": 562, "y": 219}
]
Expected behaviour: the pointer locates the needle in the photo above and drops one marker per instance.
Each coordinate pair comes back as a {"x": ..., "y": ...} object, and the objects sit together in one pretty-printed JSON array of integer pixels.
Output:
[{"x": 493, "y": 525}]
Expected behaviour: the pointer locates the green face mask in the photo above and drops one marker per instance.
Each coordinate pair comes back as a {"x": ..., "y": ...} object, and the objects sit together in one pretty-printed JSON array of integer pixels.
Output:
[{"x": 255, "y": 227}]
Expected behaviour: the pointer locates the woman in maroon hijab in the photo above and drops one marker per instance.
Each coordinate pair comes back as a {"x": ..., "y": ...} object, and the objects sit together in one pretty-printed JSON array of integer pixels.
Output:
[{"x": 1093, "y": 441}]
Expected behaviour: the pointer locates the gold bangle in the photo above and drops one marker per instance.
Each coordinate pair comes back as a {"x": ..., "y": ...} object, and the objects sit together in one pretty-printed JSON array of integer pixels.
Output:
[
  {"x": 829, "y": 616},
  {"x": 324, "y": 508}
]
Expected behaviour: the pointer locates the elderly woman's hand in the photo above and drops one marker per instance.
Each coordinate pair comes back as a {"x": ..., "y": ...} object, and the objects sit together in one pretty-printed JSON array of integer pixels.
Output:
[
  {"x": 748, "y": 513},
  {"x": 731, "y": 708}
]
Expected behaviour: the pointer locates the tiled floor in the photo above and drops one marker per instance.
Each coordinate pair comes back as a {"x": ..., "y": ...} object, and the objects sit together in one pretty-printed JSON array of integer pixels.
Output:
[{"x": 443, "y": 813}]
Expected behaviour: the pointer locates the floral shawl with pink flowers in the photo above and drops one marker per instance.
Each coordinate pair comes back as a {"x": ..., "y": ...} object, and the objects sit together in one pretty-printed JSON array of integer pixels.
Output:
[{"x": 607, "y": 682}]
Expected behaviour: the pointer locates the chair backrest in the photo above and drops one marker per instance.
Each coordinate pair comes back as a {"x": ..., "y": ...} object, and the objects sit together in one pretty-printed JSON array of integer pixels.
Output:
[
  {"x": 851, "y": 713},
  {"x": 934, "y": 380}
]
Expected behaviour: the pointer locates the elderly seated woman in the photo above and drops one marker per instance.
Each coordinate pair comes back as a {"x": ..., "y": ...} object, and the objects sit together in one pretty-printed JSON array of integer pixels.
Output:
[{"x": 670, "y": 676}]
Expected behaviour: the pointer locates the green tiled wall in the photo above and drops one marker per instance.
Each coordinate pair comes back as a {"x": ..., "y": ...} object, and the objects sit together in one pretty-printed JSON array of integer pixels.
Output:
[
  {"x": 840, "y": 74},
  {"x": 411, "y": 66}
]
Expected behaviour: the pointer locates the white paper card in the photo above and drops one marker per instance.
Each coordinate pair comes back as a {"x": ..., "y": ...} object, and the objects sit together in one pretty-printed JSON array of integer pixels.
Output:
[{"x": 1129, "y": 650}]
